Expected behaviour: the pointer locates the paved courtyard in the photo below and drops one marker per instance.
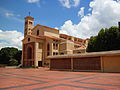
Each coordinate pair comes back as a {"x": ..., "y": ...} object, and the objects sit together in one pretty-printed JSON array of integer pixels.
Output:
[{"x": 43, "y": 79}]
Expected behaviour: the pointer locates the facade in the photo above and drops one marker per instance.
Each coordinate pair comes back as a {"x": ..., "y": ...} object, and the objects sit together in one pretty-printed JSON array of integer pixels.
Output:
[
  {"x": 42, "y": 41},
  {"x": 107, "y": 61}
]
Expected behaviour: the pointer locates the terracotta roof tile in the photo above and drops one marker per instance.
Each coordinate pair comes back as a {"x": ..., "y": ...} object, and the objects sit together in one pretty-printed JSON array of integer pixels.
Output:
[
  {"x": 44, "y": 27},
  {"x": 52, "y": 37},
  {"x": 36, "y": 37},
  {"x": 49, "y": 28}
]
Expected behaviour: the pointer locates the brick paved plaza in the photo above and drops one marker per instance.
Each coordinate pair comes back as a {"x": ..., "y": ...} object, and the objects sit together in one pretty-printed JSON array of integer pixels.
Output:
[{"x": 42, "y": 78}]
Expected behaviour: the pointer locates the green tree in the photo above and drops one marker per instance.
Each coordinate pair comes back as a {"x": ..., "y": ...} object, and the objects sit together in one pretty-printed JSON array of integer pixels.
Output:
[
  {"x": 107, "y": 39},
  {"x": 13, "y": 62},
  {"x": 18, "y": 56},
  {"x": 8, "y": 53}
]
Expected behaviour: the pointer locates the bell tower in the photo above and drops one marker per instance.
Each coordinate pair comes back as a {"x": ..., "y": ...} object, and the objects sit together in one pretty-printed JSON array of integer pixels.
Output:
[{"x": 29, "y": 22}]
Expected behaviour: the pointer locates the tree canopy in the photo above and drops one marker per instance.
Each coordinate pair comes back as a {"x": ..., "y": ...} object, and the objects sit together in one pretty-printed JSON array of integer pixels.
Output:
[
  {"x": 106, "y": 40},
  {"x": 10, "y": 54}
]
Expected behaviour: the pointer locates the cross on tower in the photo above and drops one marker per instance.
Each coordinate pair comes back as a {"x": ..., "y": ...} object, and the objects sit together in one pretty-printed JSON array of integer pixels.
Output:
[{"x": 29, "y": 13}]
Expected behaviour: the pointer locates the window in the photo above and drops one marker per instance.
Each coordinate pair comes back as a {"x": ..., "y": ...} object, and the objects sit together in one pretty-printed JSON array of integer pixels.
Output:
[
  {"x": 55, "y": 53},
  {"x": 48, "y": 49},
  {"x": 62, "y": 53},
  {"x": 55, "y": 40},
  {"x": 37, "y": 32},
  {"x": 29, "y": 53},
  {"x": 30, "y": 22},
  {"x": 28, "y": 39},
  {"x": 55, "y": 46},
  {"x": 78, "y": 52}
]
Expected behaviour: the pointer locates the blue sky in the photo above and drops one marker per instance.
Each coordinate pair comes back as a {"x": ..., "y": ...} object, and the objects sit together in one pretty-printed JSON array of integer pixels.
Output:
[
  {"x": 81, "y": 18},
  {"x": 46, "y": 12}
]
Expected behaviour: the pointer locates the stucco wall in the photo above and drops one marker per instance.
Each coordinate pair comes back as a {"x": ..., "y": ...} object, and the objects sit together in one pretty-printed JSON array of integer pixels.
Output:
[
  {"x": 31, "y": 40},
  {"x": 38, "y": 53},
  {"x": 111, "y": 63},
  {"x": 47, "y": 29},
  {"x": 51, "y": 34},
  {"x": 41, "y": 31},
  {"x": 108, "y": 61},
  {"x": 66, "y": 47}
]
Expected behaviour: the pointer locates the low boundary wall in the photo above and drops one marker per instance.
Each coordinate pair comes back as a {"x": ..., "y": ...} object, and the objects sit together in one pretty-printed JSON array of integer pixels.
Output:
[{"x": 108, "y": 61}]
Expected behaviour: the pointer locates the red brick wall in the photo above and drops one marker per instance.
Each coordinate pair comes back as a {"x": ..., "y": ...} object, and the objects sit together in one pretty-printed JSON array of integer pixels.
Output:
[
  {"x": 62, "y": 63},
  {"x": 87, "y": 63}
]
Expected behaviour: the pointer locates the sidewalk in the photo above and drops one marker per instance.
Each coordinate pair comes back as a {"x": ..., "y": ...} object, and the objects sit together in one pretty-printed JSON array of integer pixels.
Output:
[{"x": 43, "y": 78}]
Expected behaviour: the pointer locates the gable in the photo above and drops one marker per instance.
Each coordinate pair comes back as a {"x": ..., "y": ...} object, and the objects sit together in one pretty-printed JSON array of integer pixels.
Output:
[
  {"x": 37, "y": 29},
  {"x": 44, "y": 30}
]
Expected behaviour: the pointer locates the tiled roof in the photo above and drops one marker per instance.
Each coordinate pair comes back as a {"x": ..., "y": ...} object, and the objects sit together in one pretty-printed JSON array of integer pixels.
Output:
[
  {"x": 52, "y": 37},
  {"x": 63, "y": 35},
  {"x": 36, "y": 37},
  {"x": 91, "y": 54},
  {"x": 44, "y": 27}
]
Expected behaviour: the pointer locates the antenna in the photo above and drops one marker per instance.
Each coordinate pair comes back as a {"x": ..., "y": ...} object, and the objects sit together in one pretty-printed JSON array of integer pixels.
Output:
[{"x": 29, "y": 13}]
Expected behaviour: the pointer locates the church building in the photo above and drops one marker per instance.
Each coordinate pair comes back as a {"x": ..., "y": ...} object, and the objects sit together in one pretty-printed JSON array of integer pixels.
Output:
[{"x": 42, "y": 41}]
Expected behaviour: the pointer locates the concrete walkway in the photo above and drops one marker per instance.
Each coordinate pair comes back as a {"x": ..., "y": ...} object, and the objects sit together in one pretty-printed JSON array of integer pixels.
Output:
[{"x": 42, "y": 78}]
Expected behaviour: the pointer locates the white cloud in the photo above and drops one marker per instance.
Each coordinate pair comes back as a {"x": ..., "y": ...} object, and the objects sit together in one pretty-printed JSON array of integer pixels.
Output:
[
  {"x": 68, "y": 28},
  {"x": 105, "y": 13},
  {"x": 90, "y": 9},
  {"x": 81, "y": 12},
  {"x": 76, "y": 3},
  {"x": 37, "y": 2},
  {"x": 11, "y": 38},
  {"x": 10, "y": 15},
  {"x": 56, "y": 28},
  {"x": 33, "y": 1},
  {"x": 70, "y": 3}
]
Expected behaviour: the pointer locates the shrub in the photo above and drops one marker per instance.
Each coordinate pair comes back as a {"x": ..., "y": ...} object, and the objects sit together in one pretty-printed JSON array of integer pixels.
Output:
[{"x": 13, "y": 62}]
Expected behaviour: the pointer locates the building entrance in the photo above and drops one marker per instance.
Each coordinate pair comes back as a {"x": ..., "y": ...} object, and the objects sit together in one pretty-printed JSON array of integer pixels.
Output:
[{"x": 40, "y": 63}]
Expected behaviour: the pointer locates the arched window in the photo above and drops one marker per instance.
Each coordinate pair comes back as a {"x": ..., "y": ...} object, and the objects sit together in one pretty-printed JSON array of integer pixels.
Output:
[
  {"x": 37, "y": 32},
  {"x": 48, "y": 49},
  {"x": 26, "y": 22},
  {"x": 29, "y": 53},
  {"x": 30, "y": 22},
  {"x": 28, "y": 39}
]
